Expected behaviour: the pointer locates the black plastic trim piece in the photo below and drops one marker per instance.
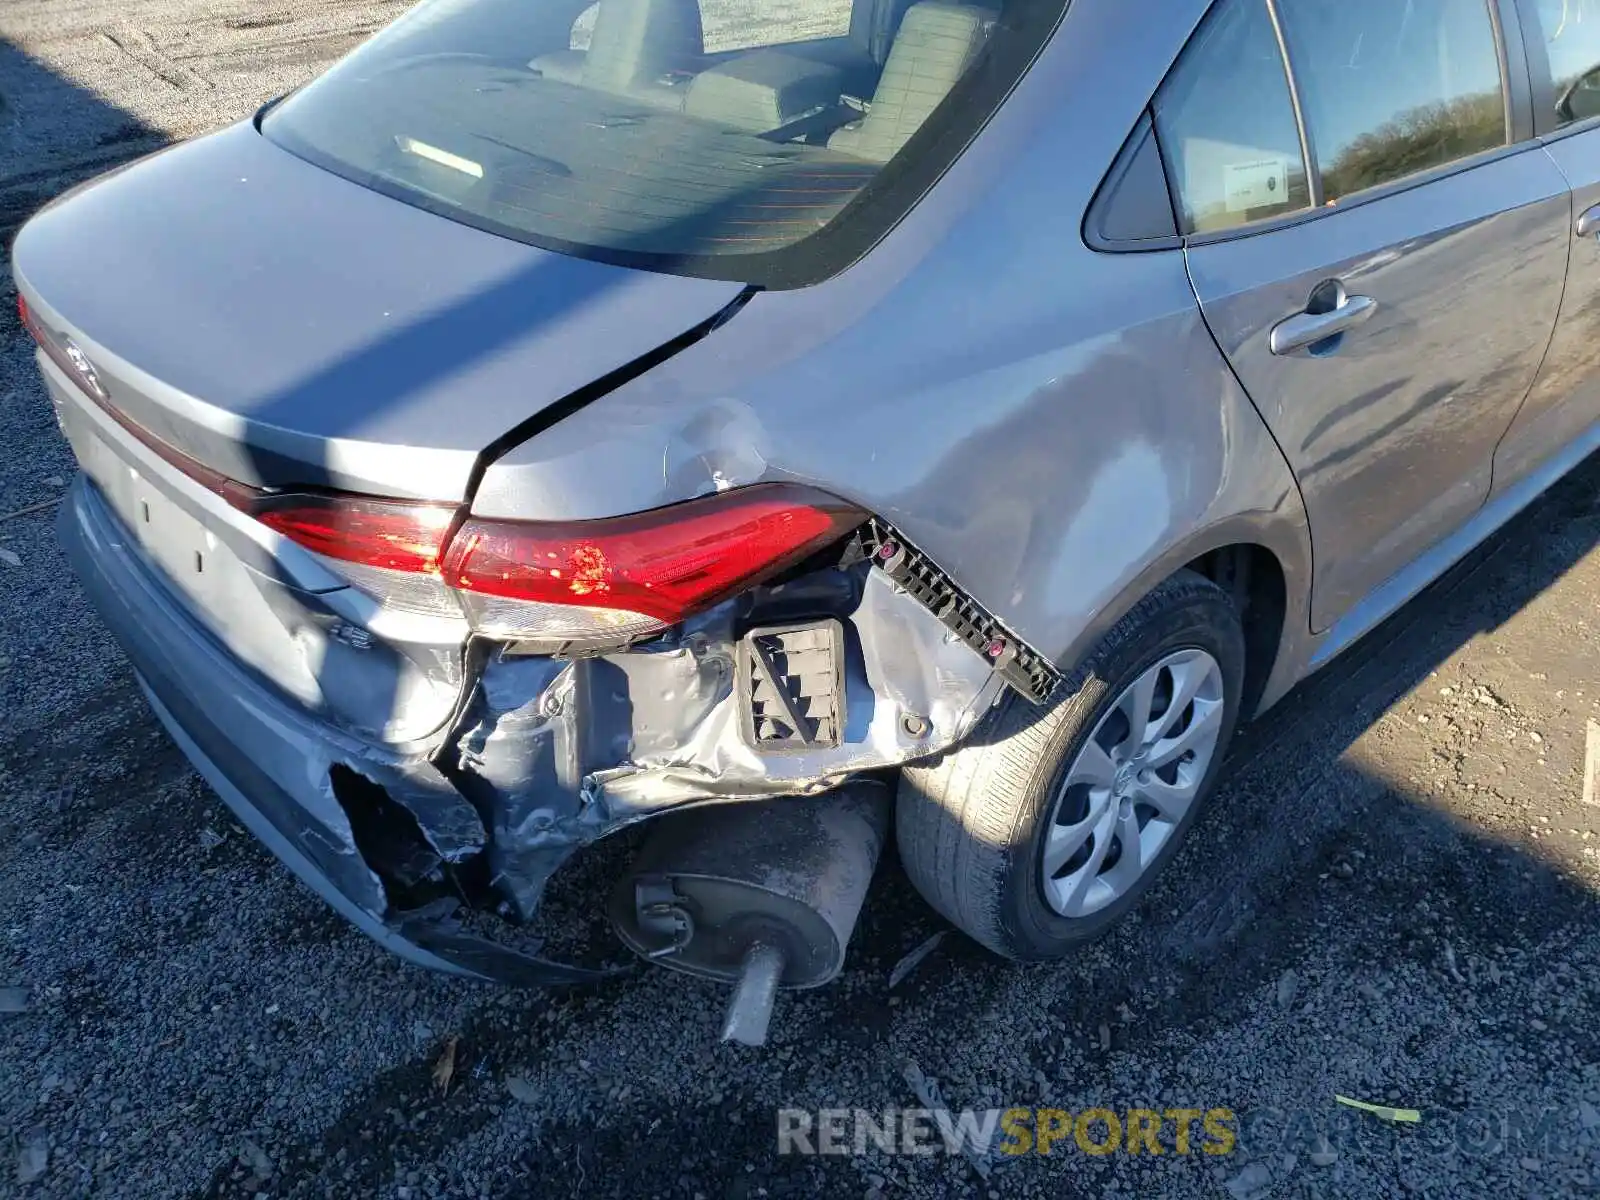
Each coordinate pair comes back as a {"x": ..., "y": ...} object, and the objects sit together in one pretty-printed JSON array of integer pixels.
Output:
[
  {"x": 1129, "y": 198},
  {"x": 816, "y": 720},
  {"x": 261, "y": 113},
  {"x": 1019, "y": 664},
  {"x": 1542, "y": 84}
]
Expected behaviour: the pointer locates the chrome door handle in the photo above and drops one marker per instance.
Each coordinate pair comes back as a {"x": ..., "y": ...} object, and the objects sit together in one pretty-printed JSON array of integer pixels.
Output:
[
  {"x": 1307, "y": 329},
  {"x": 1589, "y": 223}
]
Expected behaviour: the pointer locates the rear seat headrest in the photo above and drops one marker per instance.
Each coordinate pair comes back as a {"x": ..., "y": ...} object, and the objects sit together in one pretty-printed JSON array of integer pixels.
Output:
[
  {"x": 634, "y": 44},
  {"x": 761, "y": 90},
  {"x": 637, "y": 41},
  {"x": 873, "y": 24},
  {"x": 934, "y": 47}
]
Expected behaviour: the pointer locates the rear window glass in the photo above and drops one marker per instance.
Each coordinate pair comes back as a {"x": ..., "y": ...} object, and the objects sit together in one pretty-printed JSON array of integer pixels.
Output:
[
  {"x": 767, "y": 141},
  {"x": 747, "y": 24}
]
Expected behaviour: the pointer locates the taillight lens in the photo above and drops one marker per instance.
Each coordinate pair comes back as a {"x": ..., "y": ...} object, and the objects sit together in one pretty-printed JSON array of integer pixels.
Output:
[
  {"x": 391, "y": 534},
  {"x": 41, "y": 338},
  {"x": 621, "y": 577},
  {"x": 614, "y": 579},
  {"x": 625, "y": 576}
]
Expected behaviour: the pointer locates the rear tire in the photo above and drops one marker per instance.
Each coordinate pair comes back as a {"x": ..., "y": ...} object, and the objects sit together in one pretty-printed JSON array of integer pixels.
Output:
[{"x": 1067, "y": 785}]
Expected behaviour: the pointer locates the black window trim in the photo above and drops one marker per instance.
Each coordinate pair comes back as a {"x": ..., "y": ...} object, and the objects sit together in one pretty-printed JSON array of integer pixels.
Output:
[
  {"x": 1514, "y": 72},
  {"x": 1105, "y": 196},
  {"x": 1519, "y": 85}
]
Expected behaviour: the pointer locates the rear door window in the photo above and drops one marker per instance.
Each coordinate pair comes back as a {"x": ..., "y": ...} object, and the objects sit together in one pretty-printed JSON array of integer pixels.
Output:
[
  {"x": 1390, "y": 88},
  {"x": 1226, "y": 124},
  {"x": 1386, "y": 89}
]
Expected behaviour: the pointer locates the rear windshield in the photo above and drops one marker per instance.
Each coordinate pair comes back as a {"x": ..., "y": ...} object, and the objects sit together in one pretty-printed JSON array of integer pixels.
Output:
[{"x": 765, "y": 141}]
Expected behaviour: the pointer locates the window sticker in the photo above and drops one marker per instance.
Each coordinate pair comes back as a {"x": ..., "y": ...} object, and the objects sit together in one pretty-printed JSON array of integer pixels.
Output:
[{"x": 1260, "y": 183}]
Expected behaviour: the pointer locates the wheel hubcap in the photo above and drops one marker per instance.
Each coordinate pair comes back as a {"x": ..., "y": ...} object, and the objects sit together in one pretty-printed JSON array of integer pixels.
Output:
[{"x": 1132, "y": 783}]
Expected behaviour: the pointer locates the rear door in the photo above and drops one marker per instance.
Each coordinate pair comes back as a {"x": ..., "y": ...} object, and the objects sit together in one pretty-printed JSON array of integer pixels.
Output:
[
  {"x": 1563, "y": 47},
  {"x": 1376, "y": 253}
]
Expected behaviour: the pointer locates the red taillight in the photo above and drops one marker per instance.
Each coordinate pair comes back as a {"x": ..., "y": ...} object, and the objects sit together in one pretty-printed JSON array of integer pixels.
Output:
[
  {"x": 665, "y": 564},
  {"x": 622, "y": 577},
  {"x": 567, "y": 581},
  {"x": 393, "y": 534}
]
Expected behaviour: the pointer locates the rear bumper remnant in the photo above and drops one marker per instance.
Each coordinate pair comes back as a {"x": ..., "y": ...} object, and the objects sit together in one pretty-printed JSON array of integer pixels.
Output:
[
  {"x": 545, "y": 754},
  {"x": 267, "y": 759}
]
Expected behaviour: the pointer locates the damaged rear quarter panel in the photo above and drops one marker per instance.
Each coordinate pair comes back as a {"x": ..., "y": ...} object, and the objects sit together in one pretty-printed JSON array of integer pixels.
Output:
[
  {"x": 1051, "y": 425},
  {"x": 558, "y": 753}
]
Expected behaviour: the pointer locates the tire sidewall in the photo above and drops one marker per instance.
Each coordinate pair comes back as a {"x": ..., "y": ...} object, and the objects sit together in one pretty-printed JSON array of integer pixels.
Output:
[{"x": 1206, "y": 621}]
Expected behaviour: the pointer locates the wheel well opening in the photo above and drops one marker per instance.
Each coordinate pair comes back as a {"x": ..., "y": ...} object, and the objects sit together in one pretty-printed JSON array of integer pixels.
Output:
[{"x": 1251, "y": 575}]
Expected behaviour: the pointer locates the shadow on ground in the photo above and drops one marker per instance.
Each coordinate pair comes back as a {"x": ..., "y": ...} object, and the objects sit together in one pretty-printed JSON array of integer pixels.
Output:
[{"x": 55, "y": 133}]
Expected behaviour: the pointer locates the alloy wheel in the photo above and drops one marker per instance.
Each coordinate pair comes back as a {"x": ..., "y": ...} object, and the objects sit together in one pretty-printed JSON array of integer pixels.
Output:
[{"x": 1132, "y": 783}]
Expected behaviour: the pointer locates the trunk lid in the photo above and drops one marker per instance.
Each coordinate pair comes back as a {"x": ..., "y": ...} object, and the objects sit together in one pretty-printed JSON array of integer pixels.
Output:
[
  {"x": 382, "y": 675},
  {"x": 285, "y": 326}
]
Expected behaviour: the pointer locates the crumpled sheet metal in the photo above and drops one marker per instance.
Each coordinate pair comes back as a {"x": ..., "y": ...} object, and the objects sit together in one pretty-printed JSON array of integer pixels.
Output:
[
  {"x": 910, "y": 669},
  {"x": 449, "y": 823},
  {"x": 325, "y": 830},
  {"x": 455, "y": 832},
  {"x": 564, "y": 752}
]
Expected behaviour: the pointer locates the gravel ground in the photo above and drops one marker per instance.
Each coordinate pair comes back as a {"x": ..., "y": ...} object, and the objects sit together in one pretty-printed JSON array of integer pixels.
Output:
[{"x": 1393, "y": 898}]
